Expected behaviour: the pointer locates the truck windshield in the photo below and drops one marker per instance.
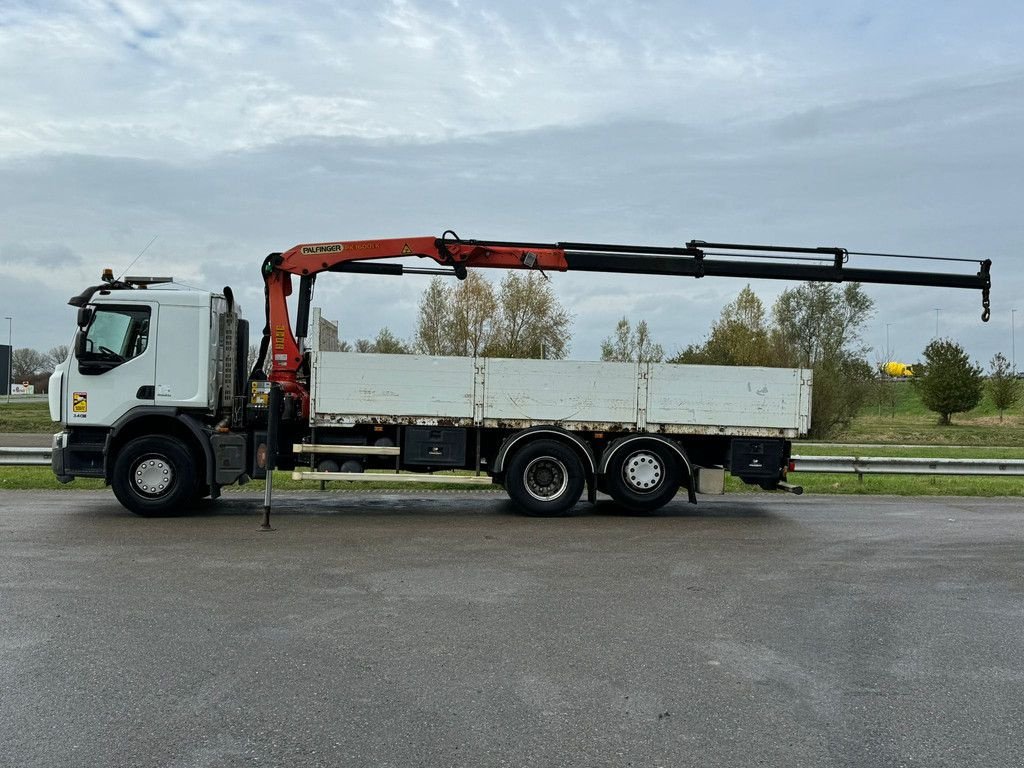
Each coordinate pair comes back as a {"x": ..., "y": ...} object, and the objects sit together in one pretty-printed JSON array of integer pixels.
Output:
[{"x": 115, "y": 335}]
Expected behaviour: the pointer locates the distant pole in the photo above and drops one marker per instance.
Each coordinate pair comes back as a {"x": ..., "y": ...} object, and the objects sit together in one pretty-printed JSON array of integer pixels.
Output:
[
  {"x": 937, "y": 322},
  {"x": 10, "y": 356},
  {"x": 888, "y": 349},
  {"x": 1013, "y": 339}
]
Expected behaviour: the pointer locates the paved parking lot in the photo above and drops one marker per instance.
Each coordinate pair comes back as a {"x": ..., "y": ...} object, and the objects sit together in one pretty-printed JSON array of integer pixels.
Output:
[{"x": 442, "y": 630}]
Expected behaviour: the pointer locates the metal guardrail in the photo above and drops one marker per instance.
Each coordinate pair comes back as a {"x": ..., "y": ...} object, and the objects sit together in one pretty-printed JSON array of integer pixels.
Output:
[
  {"x": 873, "y": 465},
  {"x": 24, "y": 457},
  {"x": 856, "y": 465}
]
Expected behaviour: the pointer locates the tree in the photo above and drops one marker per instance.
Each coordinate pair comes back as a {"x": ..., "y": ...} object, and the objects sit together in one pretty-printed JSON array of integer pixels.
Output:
[
  {"x": 56, "y": 356},
  {"x": 823, "y": 321},
  {"x": 947, "y": 381},
  {"x": 434, "y": 327},
  {"x": 631, "y": 345},
  {"x": 842, "y": 387},
  {"x": 522, "y": 319},
  {"x": 1003, "y": 386},
  {"x": 387, "y": 343},
  {"x": 474, "y": 307},
  {"x": 617, "y": 347},
  {"x": 740, "y": 336},
  {"x": 26, "y": 363},
  {"x": 819, "y": 326},
  {"x": 886, "y": 393},
  {"x": 531, "y": 322},
  {"x": 250, "y": 358}
]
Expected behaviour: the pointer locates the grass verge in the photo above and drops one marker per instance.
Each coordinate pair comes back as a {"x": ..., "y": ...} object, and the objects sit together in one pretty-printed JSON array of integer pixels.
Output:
[
  {"x": 41, "y": 478},
  {"x": 32, "y": 416},
  {"x": 895, "y": 485}
]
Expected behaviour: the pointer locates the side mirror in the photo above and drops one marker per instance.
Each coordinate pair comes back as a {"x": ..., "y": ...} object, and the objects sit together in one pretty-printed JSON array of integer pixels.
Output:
[{"x": 85, "y": 316}]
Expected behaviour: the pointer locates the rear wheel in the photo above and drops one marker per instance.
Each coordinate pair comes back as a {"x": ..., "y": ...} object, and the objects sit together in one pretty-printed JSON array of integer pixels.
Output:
[
  {"x": 155, "y": 476},
  {"x": 545, "y": 478},
  {"x": 644, "y": 476}
]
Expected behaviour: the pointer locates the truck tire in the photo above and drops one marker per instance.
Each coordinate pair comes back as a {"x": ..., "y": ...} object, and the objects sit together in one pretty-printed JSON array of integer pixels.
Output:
[
  {"x": 155, "y": 476},
  {"x": 545, "y": 478},
  {"x": 643, "y": 477}
]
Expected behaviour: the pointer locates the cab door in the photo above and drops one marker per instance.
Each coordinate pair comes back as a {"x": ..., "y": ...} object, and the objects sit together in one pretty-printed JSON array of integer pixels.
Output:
[{"x": 113, "y": 366}]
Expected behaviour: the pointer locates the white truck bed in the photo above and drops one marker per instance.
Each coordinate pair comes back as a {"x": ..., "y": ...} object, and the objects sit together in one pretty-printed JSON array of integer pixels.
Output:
[{"x": 355, "y": 388}]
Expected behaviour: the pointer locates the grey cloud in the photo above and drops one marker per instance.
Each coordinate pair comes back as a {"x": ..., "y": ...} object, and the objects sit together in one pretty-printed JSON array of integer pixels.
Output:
[
  {"x": 48, "y": 255},
  {"x": 924, "y": 109}
]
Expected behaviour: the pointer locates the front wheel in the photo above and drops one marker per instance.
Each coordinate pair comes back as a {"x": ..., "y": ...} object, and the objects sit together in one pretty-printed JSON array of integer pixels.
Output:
[
  {"x": 643, "y": 477},
  {"x": 545, "y": 478},
  {"x": 155, "y": 476}
]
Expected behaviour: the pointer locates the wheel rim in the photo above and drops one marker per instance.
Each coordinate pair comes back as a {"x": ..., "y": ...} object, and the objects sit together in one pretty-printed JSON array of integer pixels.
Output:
[
  {"x": 152, "y": 476},
  {"x": 643, "y": 471},
  {"x": 546, "y": 478}
]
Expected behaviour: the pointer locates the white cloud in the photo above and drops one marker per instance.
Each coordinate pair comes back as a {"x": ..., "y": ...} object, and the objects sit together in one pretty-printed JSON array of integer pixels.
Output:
[{"x": 190, "y": 79}]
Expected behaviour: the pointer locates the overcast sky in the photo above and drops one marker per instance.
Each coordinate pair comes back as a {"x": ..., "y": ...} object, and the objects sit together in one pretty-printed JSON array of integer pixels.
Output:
[{"x": 230, "y": 130}]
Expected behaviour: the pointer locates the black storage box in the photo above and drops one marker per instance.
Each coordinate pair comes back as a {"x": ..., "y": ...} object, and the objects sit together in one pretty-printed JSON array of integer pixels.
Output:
[
  {"x": 434, "y": 446},
  {"x": 757, "y": 459}
]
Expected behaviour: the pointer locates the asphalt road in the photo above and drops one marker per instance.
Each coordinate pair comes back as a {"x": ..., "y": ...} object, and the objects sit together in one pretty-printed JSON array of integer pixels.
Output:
[{"x": 442, "y": 630}]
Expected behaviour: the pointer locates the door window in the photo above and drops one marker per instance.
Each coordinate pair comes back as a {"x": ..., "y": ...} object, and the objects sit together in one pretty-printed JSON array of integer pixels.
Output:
[{"x": 115, "y": 336}]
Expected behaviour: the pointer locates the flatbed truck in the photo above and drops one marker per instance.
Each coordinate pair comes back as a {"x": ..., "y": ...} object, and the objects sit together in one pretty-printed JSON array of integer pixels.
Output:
[{"x": 156, "y": 397}]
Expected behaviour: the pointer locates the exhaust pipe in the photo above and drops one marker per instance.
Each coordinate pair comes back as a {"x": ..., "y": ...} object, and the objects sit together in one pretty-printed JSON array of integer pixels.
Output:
[{"x": 796, "y": 490}]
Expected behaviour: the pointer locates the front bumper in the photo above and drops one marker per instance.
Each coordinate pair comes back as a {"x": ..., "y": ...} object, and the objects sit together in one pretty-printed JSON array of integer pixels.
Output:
[
  {"x": 78, "y": 453},
  {"x": 58, "y": 457}
]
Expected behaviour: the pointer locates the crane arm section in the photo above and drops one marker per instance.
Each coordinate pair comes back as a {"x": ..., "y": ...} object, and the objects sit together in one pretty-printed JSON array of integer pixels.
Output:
[{"x": 359, "y": 256}]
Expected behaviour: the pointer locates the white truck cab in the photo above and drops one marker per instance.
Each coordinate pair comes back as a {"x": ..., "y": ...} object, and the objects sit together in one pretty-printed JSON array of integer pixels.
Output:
[
  {"x": 151, "y": 362},
  {"x": 140, "y": 348}
]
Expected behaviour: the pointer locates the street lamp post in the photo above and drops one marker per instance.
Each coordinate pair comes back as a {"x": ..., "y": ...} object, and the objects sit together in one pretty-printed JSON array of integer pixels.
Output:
[
  {"x": 10, "y": 355},
  {"x": 1013, "y": 340}
]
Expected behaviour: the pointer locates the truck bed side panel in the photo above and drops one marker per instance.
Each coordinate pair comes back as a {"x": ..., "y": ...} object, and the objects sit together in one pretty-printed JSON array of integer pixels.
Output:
[
  {"x": 583, "y": 395},
  {"x": 350, "y": 387},
  {"x": 726, "y": 396}
]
